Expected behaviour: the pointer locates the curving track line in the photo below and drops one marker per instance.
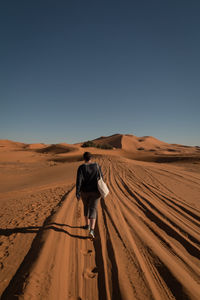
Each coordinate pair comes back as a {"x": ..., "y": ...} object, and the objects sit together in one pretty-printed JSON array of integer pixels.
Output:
[{"x": 147, "y": 244}]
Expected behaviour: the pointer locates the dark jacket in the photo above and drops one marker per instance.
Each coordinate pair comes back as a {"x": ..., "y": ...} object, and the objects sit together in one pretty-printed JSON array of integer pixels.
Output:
[{"x": 87, "y": 176}]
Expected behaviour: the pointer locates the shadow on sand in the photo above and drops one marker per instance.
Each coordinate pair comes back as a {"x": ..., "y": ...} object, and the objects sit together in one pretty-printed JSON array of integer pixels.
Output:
[
  {"x": 38, "y": 229},
  {"x": 15, "y": 287}
]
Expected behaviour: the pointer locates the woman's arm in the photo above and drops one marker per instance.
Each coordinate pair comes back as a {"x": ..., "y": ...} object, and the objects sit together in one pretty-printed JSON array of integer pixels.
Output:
[{"x": 79, "y": 179}]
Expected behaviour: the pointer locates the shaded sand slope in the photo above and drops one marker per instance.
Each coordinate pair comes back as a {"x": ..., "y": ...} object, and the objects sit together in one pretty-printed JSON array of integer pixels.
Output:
[
  {"x": 129, "y": 142},
  {"x": 144, "y": 145},
  {"x": 57, "y": 148},
  {"x": 147, "y": 244},
  {"x": 114, "y": 140}
]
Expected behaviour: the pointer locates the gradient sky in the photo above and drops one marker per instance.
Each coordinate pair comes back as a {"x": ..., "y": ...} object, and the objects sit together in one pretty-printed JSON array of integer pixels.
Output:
[{"x": 75, "y": 70}]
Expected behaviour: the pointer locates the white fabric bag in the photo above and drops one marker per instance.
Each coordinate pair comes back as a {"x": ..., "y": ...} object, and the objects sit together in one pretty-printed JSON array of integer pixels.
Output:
[{"x": 102, "y": 186}]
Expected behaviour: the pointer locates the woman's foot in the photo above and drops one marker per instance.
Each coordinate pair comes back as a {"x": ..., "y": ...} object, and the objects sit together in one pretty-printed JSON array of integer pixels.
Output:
[{"x": 91, "y": 234}]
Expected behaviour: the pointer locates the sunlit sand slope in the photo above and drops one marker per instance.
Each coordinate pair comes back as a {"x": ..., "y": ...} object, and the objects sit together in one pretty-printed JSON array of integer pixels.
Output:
[{"x": 147, "y": 244}]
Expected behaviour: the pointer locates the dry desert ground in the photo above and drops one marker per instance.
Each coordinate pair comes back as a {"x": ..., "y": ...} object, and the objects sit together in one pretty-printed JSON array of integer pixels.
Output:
[{"x": 147, "y": 242}]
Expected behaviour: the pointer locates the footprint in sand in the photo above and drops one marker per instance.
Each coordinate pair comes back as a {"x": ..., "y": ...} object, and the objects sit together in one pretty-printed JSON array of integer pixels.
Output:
[
  {"x": 86, "y": 252},
  {"x": 6, "y": 254},
  {"x": 90, "y": 273},
  {"x": 78, "y": 214}
]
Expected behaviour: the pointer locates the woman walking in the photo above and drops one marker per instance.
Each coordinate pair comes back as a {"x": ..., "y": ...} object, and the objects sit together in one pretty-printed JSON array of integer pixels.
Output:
[{"x": 87, "y": 190}]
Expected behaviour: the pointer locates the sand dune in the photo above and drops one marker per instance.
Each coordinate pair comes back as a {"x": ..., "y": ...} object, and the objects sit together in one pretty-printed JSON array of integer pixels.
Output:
[
  {"x": 126, "y": 142},
  {"x": 57, "y": 148},
  {"x": 37, "y": 146},
  {"x": 114, "y": 140},
  {"x": 134, "y": 144},
  {"x": 11, "y": 144},
  {"x": 148, "y": 234},
  {"x": 130, "y": 142}
]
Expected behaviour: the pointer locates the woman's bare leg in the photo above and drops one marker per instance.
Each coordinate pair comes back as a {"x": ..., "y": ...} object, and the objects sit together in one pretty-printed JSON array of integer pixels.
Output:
[{"x": 92, "y": 223}]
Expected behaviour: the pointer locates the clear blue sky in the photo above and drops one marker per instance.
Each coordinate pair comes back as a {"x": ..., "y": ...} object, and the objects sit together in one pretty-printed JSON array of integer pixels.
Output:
[{"x": 75, "y": 70}]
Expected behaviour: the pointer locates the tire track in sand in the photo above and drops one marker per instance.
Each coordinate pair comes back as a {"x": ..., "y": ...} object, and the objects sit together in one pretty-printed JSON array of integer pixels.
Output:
[
  {"x": 147, "y": 243},
  {"x": 180, "y": 269}
]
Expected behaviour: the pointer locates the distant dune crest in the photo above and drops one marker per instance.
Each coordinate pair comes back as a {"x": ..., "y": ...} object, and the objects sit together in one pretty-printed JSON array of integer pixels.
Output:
[
  {"x": 11, "y": 144},
  {"x": 39, "y": 147},
  {"x": 129, "y": 142},
  {"x": 125, "y": 142}
]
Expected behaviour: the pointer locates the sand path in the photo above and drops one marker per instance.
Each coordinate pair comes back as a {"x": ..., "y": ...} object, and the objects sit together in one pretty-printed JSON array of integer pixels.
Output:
[{"x": 147, "y": 245}]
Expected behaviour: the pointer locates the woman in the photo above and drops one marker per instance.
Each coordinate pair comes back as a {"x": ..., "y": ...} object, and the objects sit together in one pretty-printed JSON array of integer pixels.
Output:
[{"x": 87, "y": 190}]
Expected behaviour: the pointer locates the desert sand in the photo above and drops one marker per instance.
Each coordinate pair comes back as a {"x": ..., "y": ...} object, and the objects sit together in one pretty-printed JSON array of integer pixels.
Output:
[{"x": 147, "y": 242}]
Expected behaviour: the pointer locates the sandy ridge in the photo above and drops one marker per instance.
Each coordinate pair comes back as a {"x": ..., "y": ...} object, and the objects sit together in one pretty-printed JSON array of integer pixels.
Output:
[
  {"x": 194, "y": 249},
  {"x": 147, "y": 244}
]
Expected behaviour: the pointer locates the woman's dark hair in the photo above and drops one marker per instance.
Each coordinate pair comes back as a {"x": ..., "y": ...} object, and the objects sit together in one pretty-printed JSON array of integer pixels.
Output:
[{"x": 87, "y": 156}]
